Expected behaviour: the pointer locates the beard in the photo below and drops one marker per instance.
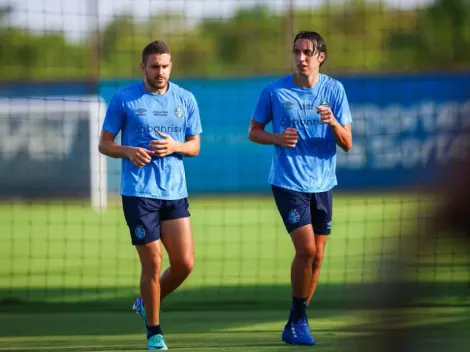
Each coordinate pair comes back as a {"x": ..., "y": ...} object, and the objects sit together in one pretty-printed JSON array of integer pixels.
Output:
[{"x": 157, "y": 83}]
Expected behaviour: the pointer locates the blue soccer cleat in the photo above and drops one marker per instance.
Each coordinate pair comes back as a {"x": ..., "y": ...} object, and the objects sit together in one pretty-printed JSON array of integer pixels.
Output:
[
  {"x": 138, "y": 307},
  {"x": 298, "y": 333},
  {"x": 156, "y": 342}
]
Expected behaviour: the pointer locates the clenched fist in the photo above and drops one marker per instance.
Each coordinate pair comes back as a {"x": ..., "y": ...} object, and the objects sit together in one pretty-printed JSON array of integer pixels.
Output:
[
  {"x": 288, "y": 138},
  {"x": 326, "y": 115}
]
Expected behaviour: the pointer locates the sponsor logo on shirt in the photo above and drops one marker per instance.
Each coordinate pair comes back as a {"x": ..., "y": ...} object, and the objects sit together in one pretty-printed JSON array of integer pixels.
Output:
[
  {"x": 140, "y": 111},
  {"x": 142, "y": 129},
  {"x": 287, "y": 121}
]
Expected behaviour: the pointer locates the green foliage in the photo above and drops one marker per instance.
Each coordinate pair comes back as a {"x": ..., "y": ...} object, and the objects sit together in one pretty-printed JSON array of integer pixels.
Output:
[
  {"x": 440, "y": 39},
  {"x": 361, "y": 37},
  {"x": 26, "y": 56}
]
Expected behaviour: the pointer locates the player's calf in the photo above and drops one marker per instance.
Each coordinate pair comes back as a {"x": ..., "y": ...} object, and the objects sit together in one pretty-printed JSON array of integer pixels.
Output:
[
  {"x": 320, "y": 243},
  {"x": 151, "y": 260},
  {"x": 174, "y": 276},
  {"x": 178, "y": 240},
  {"x": 305, "y": 251}
]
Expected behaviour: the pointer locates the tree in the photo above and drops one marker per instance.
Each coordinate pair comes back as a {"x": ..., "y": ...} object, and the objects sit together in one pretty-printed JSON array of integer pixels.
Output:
[
  {"x": 361, "y": 37},
  {"x": 440, "y": 40}
]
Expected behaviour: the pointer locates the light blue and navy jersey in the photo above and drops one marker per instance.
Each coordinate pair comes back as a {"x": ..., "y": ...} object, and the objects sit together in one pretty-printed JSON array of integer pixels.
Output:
[
  {"x": 139, "y": 115},
  {"x": 311, "y": 165}
]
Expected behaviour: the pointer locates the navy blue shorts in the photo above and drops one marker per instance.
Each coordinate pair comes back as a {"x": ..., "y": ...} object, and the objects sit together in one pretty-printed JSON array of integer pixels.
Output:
[
  {"x": 143, "y": 216},
  {"x": 298, "y": 209}
]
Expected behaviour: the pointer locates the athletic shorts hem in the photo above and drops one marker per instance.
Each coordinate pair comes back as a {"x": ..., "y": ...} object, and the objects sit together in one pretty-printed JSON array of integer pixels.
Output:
[
  {"x": 145, "y": 215},
  {"x": 176, "y": 214},
  {"x": 145, "y": 241},
  {"x": 298, "y": 209},
  {"x": 319, "y": 231},
  {"x": 292, "y": 227}
]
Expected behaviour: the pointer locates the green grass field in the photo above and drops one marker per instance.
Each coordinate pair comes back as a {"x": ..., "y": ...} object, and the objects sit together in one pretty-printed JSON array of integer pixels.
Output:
[
  {"x": 77, "y": 272},
  {"x": 435, "y": 329}
]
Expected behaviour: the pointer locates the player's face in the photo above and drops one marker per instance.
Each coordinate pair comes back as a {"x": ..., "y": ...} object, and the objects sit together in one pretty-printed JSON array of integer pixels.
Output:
[
  {"x": 307, "y": 60},
  {"x": 157, "y": 70}
]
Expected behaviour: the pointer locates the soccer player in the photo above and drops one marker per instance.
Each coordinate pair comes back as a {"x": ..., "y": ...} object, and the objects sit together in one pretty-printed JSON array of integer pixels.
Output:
[
  {"x": 309, "y": 112},
  {"x": 159, "y": 124}
]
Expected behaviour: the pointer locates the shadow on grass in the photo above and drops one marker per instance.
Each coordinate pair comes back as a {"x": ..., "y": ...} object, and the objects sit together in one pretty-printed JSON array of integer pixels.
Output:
[
  {"x": 426, "y": 330},
  {"x": 230, "y": 298}
]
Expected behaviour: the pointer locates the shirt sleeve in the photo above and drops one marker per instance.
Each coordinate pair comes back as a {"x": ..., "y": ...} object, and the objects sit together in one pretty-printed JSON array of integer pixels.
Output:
[
  {"x": 115, "y": 117},
  {"x": 193, "y": 126},
  {"x": 341, "y": 109},
  {"x": 263, "y": 111}
]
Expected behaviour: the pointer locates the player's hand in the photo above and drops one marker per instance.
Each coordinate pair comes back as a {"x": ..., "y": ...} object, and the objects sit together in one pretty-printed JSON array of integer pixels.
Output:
[
  {"x": 139, "y": 156},
  {"x": 163, "y": 147},
  {"x": 288, "y": 138},
  {"x": 326, "y": 115}
]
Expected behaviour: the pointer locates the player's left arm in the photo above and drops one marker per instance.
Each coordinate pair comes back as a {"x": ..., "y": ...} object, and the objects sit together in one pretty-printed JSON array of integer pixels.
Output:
[
  {"x": 339, "y": 118},
  {"x": 191, "y": 147},
  {"x": 192, "y": 144},
  {"x": 167, "y": 146},
  {"x": 343, "y": 135}
]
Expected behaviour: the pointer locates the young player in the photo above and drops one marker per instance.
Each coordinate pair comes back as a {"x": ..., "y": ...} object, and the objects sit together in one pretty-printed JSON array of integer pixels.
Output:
[
  {"x": 309, "y": 112},
  {"x": 160, "y": 124}
]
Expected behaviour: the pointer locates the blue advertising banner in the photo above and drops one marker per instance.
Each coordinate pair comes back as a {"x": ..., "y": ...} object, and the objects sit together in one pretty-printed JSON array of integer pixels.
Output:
[
  {"x": 403, "y": 131},
  {"x": 45, "y": 140}
]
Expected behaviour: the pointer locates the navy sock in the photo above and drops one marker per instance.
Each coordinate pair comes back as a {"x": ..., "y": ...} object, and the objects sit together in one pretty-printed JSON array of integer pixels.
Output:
[
  {"x": 154, "y": 330},
  {"x": 298, "y": 309}
]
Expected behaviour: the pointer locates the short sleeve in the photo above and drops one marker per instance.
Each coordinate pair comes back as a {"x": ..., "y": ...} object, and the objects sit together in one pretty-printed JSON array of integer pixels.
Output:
[
  {"x": 115, "y": 117},
  {"x": 263, "y": 111},
  {"x": 341, "y": 107},
  {"x": 193, "y": 127}
]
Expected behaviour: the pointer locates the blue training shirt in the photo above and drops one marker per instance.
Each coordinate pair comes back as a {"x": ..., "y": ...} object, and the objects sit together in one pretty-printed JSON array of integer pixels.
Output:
[
  {"x": 138, "y": 115},
  {"x": 310, "y": 166}
]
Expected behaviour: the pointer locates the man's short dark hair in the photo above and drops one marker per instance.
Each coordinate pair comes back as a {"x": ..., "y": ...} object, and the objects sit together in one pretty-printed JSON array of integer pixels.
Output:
[
  {"x": 156, "y": 47},
  {"x": 319, "y": 45}
]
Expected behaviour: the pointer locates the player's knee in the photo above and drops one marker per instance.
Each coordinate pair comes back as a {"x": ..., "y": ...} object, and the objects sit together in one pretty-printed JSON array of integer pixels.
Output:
[
  {"x": 318, "y": 258},
  {"x": 307, "y": 253},
  {"x": 152, "y": 264},
  {"x": 187, "y": 265},
  {"x": 184, "y": 266}
]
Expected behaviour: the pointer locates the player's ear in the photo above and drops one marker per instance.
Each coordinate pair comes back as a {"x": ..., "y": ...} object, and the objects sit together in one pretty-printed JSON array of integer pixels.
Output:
[
  {"x": 142, "y": 67},
  {"x": 321, "y": 57}
]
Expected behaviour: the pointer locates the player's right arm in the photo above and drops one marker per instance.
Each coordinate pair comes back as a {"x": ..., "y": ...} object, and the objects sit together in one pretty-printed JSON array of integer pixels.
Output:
[
  {"x": 261, "y": 117},
  {"x": 257, "y": 134},
  {"x": 113, "y": 123},
  {"x": 107, "y": 146}
]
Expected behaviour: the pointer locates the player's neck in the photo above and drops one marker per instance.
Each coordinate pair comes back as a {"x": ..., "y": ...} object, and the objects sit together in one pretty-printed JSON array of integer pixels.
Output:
[
  {"x": 306, "y": 81},
  {"x": 154, "y": 90}
]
